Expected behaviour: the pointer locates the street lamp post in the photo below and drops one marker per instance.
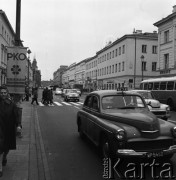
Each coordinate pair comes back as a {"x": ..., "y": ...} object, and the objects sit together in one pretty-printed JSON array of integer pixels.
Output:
[{"x": 142, "y": 68}]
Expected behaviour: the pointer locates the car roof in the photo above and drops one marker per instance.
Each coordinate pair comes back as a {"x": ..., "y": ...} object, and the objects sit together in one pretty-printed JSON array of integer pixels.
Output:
[{"x": 112, "y": 92}]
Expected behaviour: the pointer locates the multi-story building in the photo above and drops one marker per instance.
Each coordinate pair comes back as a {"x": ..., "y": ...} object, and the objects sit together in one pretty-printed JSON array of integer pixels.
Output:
[
  {"x": 80, "y": 69},
  {"x": 7, "y": 38},
  {"x": 167, "y": 44},
  {"x": 125, "y": 62},
  {"x": 57, "y": 75}
]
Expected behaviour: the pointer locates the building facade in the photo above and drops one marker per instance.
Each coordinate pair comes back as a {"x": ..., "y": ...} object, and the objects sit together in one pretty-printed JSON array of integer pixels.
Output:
[
  {"x": 57, "y": 75},
  {"x": 124, "y": 62},
  {"x": 167, "y": 45},
  {"x": 7, "y": 38}
]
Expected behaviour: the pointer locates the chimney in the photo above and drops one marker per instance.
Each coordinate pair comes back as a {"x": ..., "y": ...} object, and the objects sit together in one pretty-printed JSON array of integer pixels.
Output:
[
  {"x": 174, "y": 9},
  {"x": 137, "y": 32}
]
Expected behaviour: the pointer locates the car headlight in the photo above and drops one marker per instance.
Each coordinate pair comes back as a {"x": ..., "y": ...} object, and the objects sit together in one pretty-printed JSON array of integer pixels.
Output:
[
  {"x": 120, "y": 135},
  {"x": 168, "y": 108},
  {"x": 174, "y": 131}
]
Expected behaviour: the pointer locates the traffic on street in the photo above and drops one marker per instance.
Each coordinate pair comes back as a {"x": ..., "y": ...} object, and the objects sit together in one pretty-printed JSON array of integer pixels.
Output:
[{"x": 71, "y": 157}]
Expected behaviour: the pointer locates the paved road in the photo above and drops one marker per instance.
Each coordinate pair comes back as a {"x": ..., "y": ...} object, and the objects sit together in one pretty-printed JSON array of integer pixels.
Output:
[{"x": 68, "y": 156}]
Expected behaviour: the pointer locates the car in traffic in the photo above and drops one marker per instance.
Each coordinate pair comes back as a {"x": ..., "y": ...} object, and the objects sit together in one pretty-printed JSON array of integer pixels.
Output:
[
  {"x": 58, "y": 91},
  {"x": 120, "y": 124},
  {"x": 159, "y": 109},
  {"x": 78, "y": 91},
  {"x": 71, "y": 95}
]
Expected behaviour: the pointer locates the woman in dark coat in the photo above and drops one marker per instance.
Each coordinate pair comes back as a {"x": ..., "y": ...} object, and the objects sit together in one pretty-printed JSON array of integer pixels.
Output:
[{"x": 10, "y": 120}]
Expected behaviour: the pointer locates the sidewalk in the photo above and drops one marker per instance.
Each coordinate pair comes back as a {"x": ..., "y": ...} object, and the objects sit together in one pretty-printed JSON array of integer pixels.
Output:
[{"x": 28, "y": 161}]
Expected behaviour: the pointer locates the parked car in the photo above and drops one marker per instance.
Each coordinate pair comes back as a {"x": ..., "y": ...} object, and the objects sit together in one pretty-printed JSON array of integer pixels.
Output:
[
  {"x": 71, "y": 95},
  {"x": 159, "y": 109},
  {"x": 78, "y": 91},
  {"x": 58, "y": 91},
  {"x": 120, "y": 124}
]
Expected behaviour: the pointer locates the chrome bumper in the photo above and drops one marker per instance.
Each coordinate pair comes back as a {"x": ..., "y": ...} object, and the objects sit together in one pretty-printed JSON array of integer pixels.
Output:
[{"x": 149, "y": 154}]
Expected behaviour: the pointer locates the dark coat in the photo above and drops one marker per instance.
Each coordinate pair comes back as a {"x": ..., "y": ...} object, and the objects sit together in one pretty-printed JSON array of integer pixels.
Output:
[{"x": 9, "y": 120}]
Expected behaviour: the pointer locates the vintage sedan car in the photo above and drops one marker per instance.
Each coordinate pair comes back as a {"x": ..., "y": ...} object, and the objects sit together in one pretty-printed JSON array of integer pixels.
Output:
[
  {"x": 121, "y": 125},
  {"x": 159, "y": 109},
  {"x": 71, "y": 95},
  {"x": 58, "y": 91}
]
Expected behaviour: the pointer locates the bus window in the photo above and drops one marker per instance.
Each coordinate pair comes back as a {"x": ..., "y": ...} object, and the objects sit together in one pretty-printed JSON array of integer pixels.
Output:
[
  {"x": 146, "y": 86},
  {"x": 150, "y": 86},
  {"x": 175, "y": 87},
  {"x": 170, "y": 85},
  {"x": 163, "y": 86},
  {"x": 156, "y": 86},
  {"x": 141, "y": 86}
]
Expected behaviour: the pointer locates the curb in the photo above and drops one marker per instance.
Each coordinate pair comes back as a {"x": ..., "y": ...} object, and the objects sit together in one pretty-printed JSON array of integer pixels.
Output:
[{"x": 43, "y": 168}]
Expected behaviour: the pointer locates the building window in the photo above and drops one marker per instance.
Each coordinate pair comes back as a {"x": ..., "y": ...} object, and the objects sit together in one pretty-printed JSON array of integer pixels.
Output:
[
  {"x": 123, "y": 49},
  {"x": 154, "y": 49},
  {"x": 144, "y": 48},
  {"x": 119, "y": 50},
  {"x": 119, "y": 67},
  {"x": 116, "y": 68},
  {"x": 154, "y": 66},
  {"x": 112, "y": 68},
  {"x": 116, "y": 52},
  {"x": 112, "y": 54},
  {"x": 166, "y": 61},
  {"x": 105, "y": 57},
  {"x": 105, "y": 71},
  {"x": 166, "y": 36},
  {"x": 123, "y": 66},
  {"x": 144, "y": 66},
  {"x": 109, "y": 69}
]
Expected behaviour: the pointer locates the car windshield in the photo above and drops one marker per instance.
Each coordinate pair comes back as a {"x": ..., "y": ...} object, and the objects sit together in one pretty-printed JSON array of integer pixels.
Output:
[
  {"x": 122, "y": 102},
  {"x": 146, "y": 95},
  {"x": 71, "y": 91}
]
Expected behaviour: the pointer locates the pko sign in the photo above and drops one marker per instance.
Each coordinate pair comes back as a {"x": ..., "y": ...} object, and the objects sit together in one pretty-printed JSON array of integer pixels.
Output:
[
  {"x": 16, "y": 69},
  {"x": 16, "y": 56}
]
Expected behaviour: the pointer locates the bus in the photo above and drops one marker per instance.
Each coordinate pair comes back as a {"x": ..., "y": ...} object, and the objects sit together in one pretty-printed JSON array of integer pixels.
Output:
[{"x": 164, "y": 89}]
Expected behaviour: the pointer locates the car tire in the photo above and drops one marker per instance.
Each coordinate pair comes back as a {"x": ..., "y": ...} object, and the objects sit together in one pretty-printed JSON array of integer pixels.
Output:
[{"x": 81, "y": 133}]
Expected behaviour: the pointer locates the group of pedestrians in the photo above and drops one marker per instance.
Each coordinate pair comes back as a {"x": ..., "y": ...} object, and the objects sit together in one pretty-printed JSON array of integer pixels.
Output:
[
  {"x": 47, "y": 96},
  {"x": 10, "y": 121}
]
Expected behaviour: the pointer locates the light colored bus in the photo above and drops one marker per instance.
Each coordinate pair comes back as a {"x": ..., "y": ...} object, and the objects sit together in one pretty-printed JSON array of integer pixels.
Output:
[{"x": 164, "y": 89}]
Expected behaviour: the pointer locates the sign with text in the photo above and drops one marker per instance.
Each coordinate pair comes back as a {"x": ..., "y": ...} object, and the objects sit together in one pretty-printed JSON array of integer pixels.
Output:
[{"x": 16, "y": 69}]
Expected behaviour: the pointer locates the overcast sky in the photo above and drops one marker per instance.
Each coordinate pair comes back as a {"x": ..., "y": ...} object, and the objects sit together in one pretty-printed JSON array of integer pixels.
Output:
[{"x": 61, "y": 32}]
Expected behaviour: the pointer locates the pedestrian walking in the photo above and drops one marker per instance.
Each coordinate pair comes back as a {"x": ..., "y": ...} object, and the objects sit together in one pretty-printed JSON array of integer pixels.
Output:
[
  {"x": 9, "y": 122},
  {"x": 50, "y": 94},
  {"x": 35, "y": 96}
]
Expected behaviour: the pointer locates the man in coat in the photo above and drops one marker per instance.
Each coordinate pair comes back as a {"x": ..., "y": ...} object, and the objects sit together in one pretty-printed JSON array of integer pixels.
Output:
[{"x": 10, "y": 120}]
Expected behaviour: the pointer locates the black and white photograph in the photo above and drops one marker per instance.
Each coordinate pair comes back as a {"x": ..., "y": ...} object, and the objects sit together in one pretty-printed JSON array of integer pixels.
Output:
[{"x": 87, "y": 89}]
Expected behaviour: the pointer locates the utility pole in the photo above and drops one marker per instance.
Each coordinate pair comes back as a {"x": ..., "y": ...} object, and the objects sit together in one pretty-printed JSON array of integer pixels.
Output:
[{"x": 18, "y": 97}]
